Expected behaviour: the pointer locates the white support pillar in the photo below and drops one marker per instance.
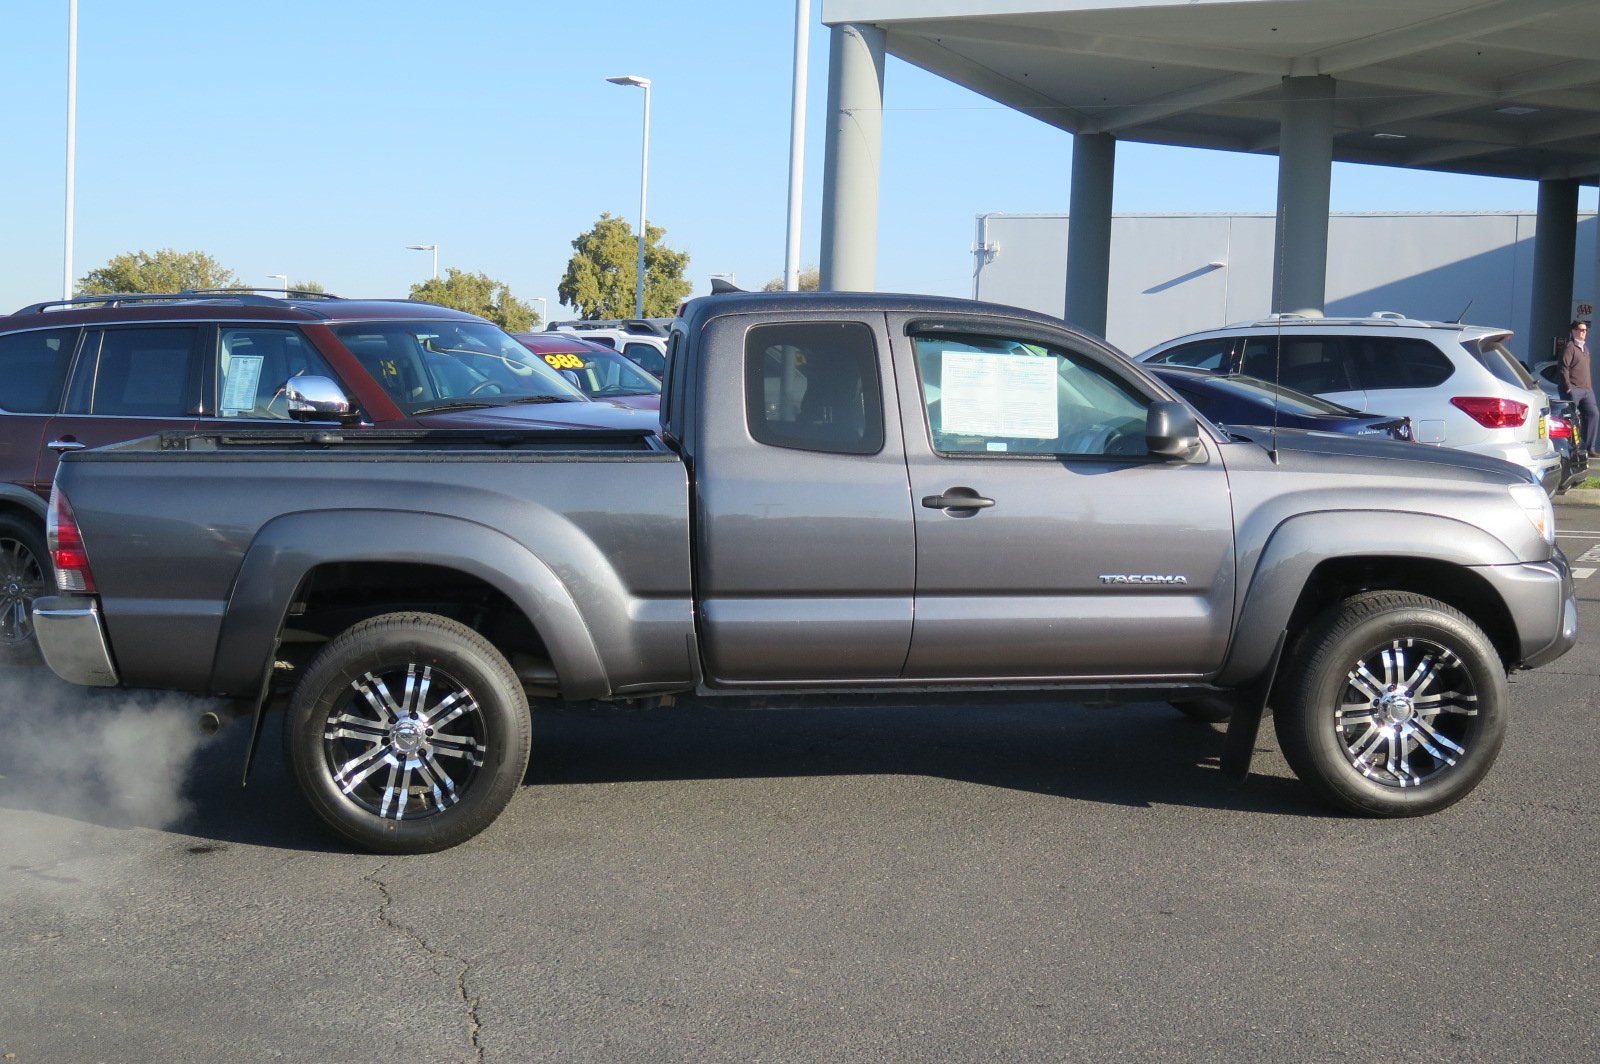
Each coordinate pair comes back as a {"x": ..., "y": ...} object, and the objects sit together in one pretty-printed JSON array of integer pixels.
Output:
[
  {"x": 1094, "y": 158},
  {"x": 853, "y": 148},
  {"x": 1555, "y": 248},
  {"x": 1305, "y": 178}
]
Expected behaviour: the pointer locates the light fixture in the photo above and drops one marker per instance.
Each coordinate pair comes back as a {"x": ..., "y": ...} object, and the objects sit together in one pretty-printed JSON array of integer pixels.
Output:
[
  {"x": 1516, "y": 110},
  {"x": 1389, "y": 136}
]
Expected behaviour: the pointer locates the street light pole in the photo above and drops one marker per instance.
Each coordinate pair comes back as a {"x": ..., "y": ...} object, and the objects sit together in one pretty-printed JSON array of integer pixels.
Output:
[
  {"x": 797, "y": 143},
  {"x": 644, "y": 181},
  {"x": 72, "y": 140},
  {"x": 428, "y": 247},
  {"x": 544, "y": 309},
  {"x": 280, "y": 277}
]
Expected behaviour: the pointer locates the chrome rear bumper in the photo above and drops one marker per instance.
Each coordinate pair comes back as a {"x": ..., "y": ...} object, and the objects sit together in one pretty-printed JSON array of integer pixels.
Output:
[{"x": 73, "y": 641}]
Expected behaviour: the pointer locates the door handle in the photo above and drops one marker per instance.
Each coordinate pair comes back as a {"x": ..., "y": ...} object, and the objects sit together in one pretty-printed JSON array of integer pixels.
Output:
[
  {"x": 957, "y": 499},
  {"x": 65, "y": 444}
]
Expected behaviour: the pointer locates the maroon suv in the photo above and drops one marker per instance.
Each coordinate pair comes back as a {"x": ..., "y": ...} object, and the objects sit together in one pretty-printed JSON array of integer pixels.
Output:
[{"x": 104, "y": 369}]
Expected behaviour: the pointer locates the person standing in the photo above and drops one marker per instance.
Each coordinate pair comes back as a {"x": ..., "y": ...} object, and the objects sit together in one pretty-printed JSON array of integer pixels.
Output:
[{"x": 1578, "y": 382}]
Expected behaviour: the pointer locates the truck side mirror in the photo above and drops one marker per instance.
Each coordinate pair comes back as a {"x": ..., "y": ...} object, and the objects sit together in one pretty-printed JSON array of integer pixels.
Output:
[
  {"x": 316, "y": 398},
  {"x": 1171, "y": 430}
]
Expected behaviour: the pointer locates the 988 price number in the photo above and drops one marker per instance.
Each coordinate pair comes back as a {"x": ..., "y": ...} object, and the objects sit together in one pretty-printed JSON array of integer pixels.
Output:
[{"x": 564, "y": 361}]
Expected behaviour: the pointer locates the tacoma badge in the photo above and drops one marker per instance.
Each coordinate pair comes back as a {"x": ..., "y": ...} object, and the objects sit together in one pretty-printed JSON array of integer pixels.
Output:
[{"x": 1141, "y": 578}]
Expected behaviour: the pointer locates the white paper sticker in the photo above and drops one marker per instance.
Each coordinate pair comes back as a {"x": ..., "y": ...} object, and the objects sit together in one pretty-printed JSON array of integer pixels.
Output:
[
  {"x": 239, "y": 390},
  {"x": 998, "y": 395}
]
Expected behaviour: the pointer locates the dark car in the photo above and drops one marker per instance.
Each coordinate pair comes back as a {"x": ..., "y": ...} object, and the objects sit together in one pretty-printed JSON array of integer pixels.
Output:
[
  {"x": 105, "y": 369},
  {"x": 1564, "y": 435},
  {"x": 1237, "y": 399},
  {"x": 599, "y": 371}
]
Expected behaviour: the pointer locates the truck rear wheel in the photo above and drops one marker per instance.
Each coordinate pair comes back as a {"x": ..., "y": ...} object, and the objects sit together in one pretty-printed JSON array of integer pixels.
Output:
[
  {"x": 408, "y": 734},
  {"x": 24, "y": 576},
  {"x": 1395, "y": 706}
]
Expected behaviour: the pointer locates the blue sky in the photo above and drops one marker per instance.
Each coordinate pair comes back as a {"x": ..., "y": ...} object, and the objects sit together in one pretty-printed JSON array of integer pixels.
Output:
[{"x": 318, "y": 139}]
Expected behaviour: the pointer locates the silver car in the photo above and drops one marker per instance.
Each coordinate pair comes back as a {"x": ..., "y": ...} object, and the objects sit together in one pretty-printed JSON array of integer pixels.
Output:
[{"x": 1460, "y": 384}]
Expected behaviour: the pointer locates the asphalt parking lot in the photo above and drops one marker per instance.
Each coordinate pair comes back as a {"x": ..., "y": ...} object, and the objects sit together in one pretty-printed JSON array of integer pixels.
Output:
[{"x": 1038, "y": 883}]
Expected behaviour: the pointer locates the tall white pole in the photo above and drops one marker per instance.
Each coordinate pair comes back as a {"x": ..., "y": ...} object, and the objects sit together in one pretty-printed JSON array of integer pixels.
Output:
[
  {"x": 644, "y": 188},
  {"x": 797, "y": 144},
  {"x": 436, "y": 262},
  {"x": 72, "y": 141}
]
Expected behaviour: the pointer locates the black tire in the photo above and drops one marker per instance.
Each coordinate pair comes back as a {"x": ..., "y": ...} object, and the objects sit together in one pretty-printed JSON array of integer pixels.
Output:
[
  {"x": 1395, "y": 705},
  {"x": 1210, "y": 709},
  {"x": 361, "y": 745},
  {"x": 25, "y": 574}
]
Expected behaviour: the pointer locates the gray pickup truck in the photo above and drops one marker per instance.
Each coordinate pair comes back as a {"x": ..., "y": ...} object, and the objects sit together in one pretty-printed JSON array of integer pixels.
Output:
[{"x": 853, "y": 498}]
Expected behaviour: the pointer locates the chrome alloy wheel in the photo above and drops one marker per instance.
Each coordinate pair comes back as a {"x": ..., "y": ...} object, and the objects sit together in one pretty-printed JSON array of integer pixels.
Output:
[
  {"x": 393, "y": 755},
  {"x": 21, "y": 581},
  {"x": 1403, "y": 716}
]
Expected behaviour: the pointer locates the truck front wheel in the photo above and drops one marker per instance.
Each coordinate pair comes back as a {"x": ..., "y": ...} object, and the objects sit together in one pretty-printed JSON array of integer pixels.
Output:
[
  {"x": 408, "y": 734},
  {"x": 1394, "y": 706}
]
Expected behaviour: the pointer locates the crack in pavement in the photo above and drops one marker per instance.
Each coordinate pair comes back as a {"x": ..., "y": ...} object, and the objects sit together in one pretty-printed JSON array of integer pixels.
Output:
[{"x": 470, "y": 1004}]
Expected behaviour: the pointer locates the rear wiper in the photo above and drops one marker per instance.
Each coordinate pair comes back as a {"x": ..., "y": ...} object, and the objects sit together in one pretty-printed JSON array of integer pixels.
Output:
[{"x": 542, "y": 399}]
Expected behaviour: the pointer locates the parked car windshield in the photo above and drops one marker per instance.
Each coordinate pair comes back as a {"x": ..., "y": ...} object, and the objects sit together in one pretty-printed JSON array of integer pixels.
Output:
[
  {"x": 602, "y": 374},
  {"x": 1286, "y": 399},
  {"x": 434, "y": 365}
]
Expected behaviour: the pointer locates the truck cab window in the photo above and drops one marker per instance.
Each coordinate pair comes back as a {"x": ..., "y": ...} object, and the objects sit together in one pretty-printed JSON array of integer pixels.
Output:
[
  {"x": 814, "y": 387},
  {"x": 996, "y": 396}
]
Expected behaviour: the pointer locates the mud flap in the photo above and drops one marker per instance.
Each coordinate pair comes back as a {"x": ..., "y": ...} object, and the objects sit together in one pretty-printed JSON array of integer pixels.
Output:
[{"x": 1239, "y": 745}]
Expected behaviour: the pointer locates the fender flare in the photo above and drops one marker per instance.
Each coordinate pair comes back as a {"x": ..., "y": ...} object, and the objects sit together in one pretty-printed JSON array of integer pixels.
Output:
[
  {"x": 288, "y": 547},
  {"x": 23, "y": 499},
  {"x": 1301, "y": 543}
]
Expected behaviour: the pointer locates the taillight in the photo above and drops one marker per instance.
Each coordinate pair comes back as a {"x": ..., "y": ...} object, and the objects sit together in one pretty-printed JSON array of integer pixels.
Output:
[
  {"x": 1492, "y": 413},
  {"x": 1559, "y": 428},
  {"x": 66, "y": 546}
]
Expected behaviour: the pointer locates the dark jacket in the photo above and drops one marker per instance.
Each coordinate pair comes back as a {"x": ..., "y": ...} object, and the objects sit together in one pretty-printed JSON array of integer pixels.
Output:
[{"x": 1575, "y": 367}]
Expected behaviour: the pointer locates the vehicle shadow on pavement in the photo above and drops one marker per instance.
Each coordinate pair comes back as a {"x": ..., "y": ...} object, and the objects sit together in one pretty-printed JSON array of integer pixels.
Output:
[{"x": 1132, "y": 755}]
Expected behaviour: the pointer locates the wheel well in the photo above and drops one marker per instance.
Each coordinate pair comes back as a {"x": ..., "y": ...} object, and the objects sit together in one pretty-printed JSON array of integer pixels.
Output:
[
  {"x": 1454, "y": 585},
  {"x": 335, "y": 596}
]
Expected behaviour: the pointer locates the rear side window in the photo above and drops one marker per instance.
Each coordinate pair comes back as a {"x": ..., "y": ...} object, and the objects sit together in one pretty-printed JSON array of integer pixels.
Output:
[
  {"x": 814, "y": 387},
  {"x": 647, "y": 356},
  {"x": 1393, "y": 362},
  {"x": 143, "y": 372},
  {"x": 1498, "y": 360},
  {"x": 33, "y": 366},
  {"x": 1201, "y": 354}
]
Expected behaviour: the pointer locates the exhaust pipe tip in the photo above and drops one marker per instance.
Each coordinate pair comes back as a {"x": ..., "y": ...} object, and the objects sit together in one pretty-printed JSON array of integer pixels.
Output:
[{"x": 210, "y": 723}]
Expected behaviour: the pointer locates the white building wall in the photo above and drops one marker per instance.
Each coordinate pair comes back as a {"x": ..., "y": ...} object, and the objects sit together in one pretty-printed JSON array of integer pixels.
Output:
[{"x": 1164, "y": 282}]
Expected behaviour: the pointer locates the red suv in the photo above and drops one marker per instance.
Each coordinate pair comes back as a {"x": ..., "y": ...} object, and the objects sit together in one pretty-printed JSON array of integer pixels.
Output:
[{"x": 104, "y": 369}]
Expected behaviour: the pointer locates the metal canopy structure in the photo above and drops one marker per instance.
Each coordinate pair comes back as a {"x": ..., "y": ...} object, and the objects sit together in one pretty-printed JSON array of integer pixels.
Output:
[
  {"x": 1502, "y": 88},
  {"x": 1506, "y": 88}
]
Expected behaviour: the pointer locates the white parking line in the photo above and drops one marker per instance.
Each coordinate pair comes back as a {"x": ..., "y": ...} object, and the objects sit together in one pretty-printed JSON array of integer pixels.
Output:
[{"x": 1582, "y": 574}]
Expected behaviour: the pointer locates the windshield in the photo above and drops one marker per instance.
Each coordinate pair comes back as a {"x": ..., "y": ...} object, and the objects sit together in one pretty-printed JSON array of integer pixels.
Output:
[
  {"x": 1264, "y": 392},
  {"x": 434, "y": 365},
  {"x": 602, "y": 374}
]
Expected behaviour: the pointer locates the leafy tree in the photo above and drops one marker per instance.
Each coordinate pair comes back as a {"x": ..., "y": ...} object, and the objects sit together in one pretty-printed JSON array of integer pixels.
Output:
[
  {"x": 810, "y": 281},
  {"x": 479, "y": 294},
  {"x": 309, "y": 286},
  {"x": 602, "y": 278},
  {"x": 165, "y": 271}
]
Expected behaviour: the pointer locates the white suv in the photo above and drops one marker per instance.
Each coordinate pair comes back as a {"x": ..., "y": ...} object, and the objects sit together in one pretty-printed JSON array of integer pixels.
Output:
[
  {"x": 640, "y": 341},
  {"x": 1460, "y": 385}
]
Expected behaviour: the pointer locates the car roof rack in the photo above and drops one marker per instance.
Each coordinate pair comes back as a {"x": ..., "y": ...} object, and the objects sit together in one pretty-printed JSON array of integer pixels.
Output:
[
  {"x": 637, "y": 326},
  {"x": 243, "y": 297}
]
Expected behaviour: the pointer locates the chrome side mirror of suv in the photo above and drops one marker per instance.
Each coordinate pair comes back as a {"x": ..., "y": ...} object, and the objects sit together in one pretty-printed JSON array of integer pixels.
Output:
[
  {"x": 315, "y": 398},
  {"x": 1171, "y": 430}
]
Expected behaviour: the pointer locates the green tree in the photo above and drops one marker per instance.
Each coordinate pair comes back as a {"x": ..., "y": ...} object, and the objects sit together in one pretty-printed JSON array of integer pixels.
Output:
[
  {"x": 810, "y": 281},
  {"x": 479, "y": 294},
  {"x": 602, "y": 278},
  {"x": 309, "y": 286},
  {"x": 165, "y": 271}
]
